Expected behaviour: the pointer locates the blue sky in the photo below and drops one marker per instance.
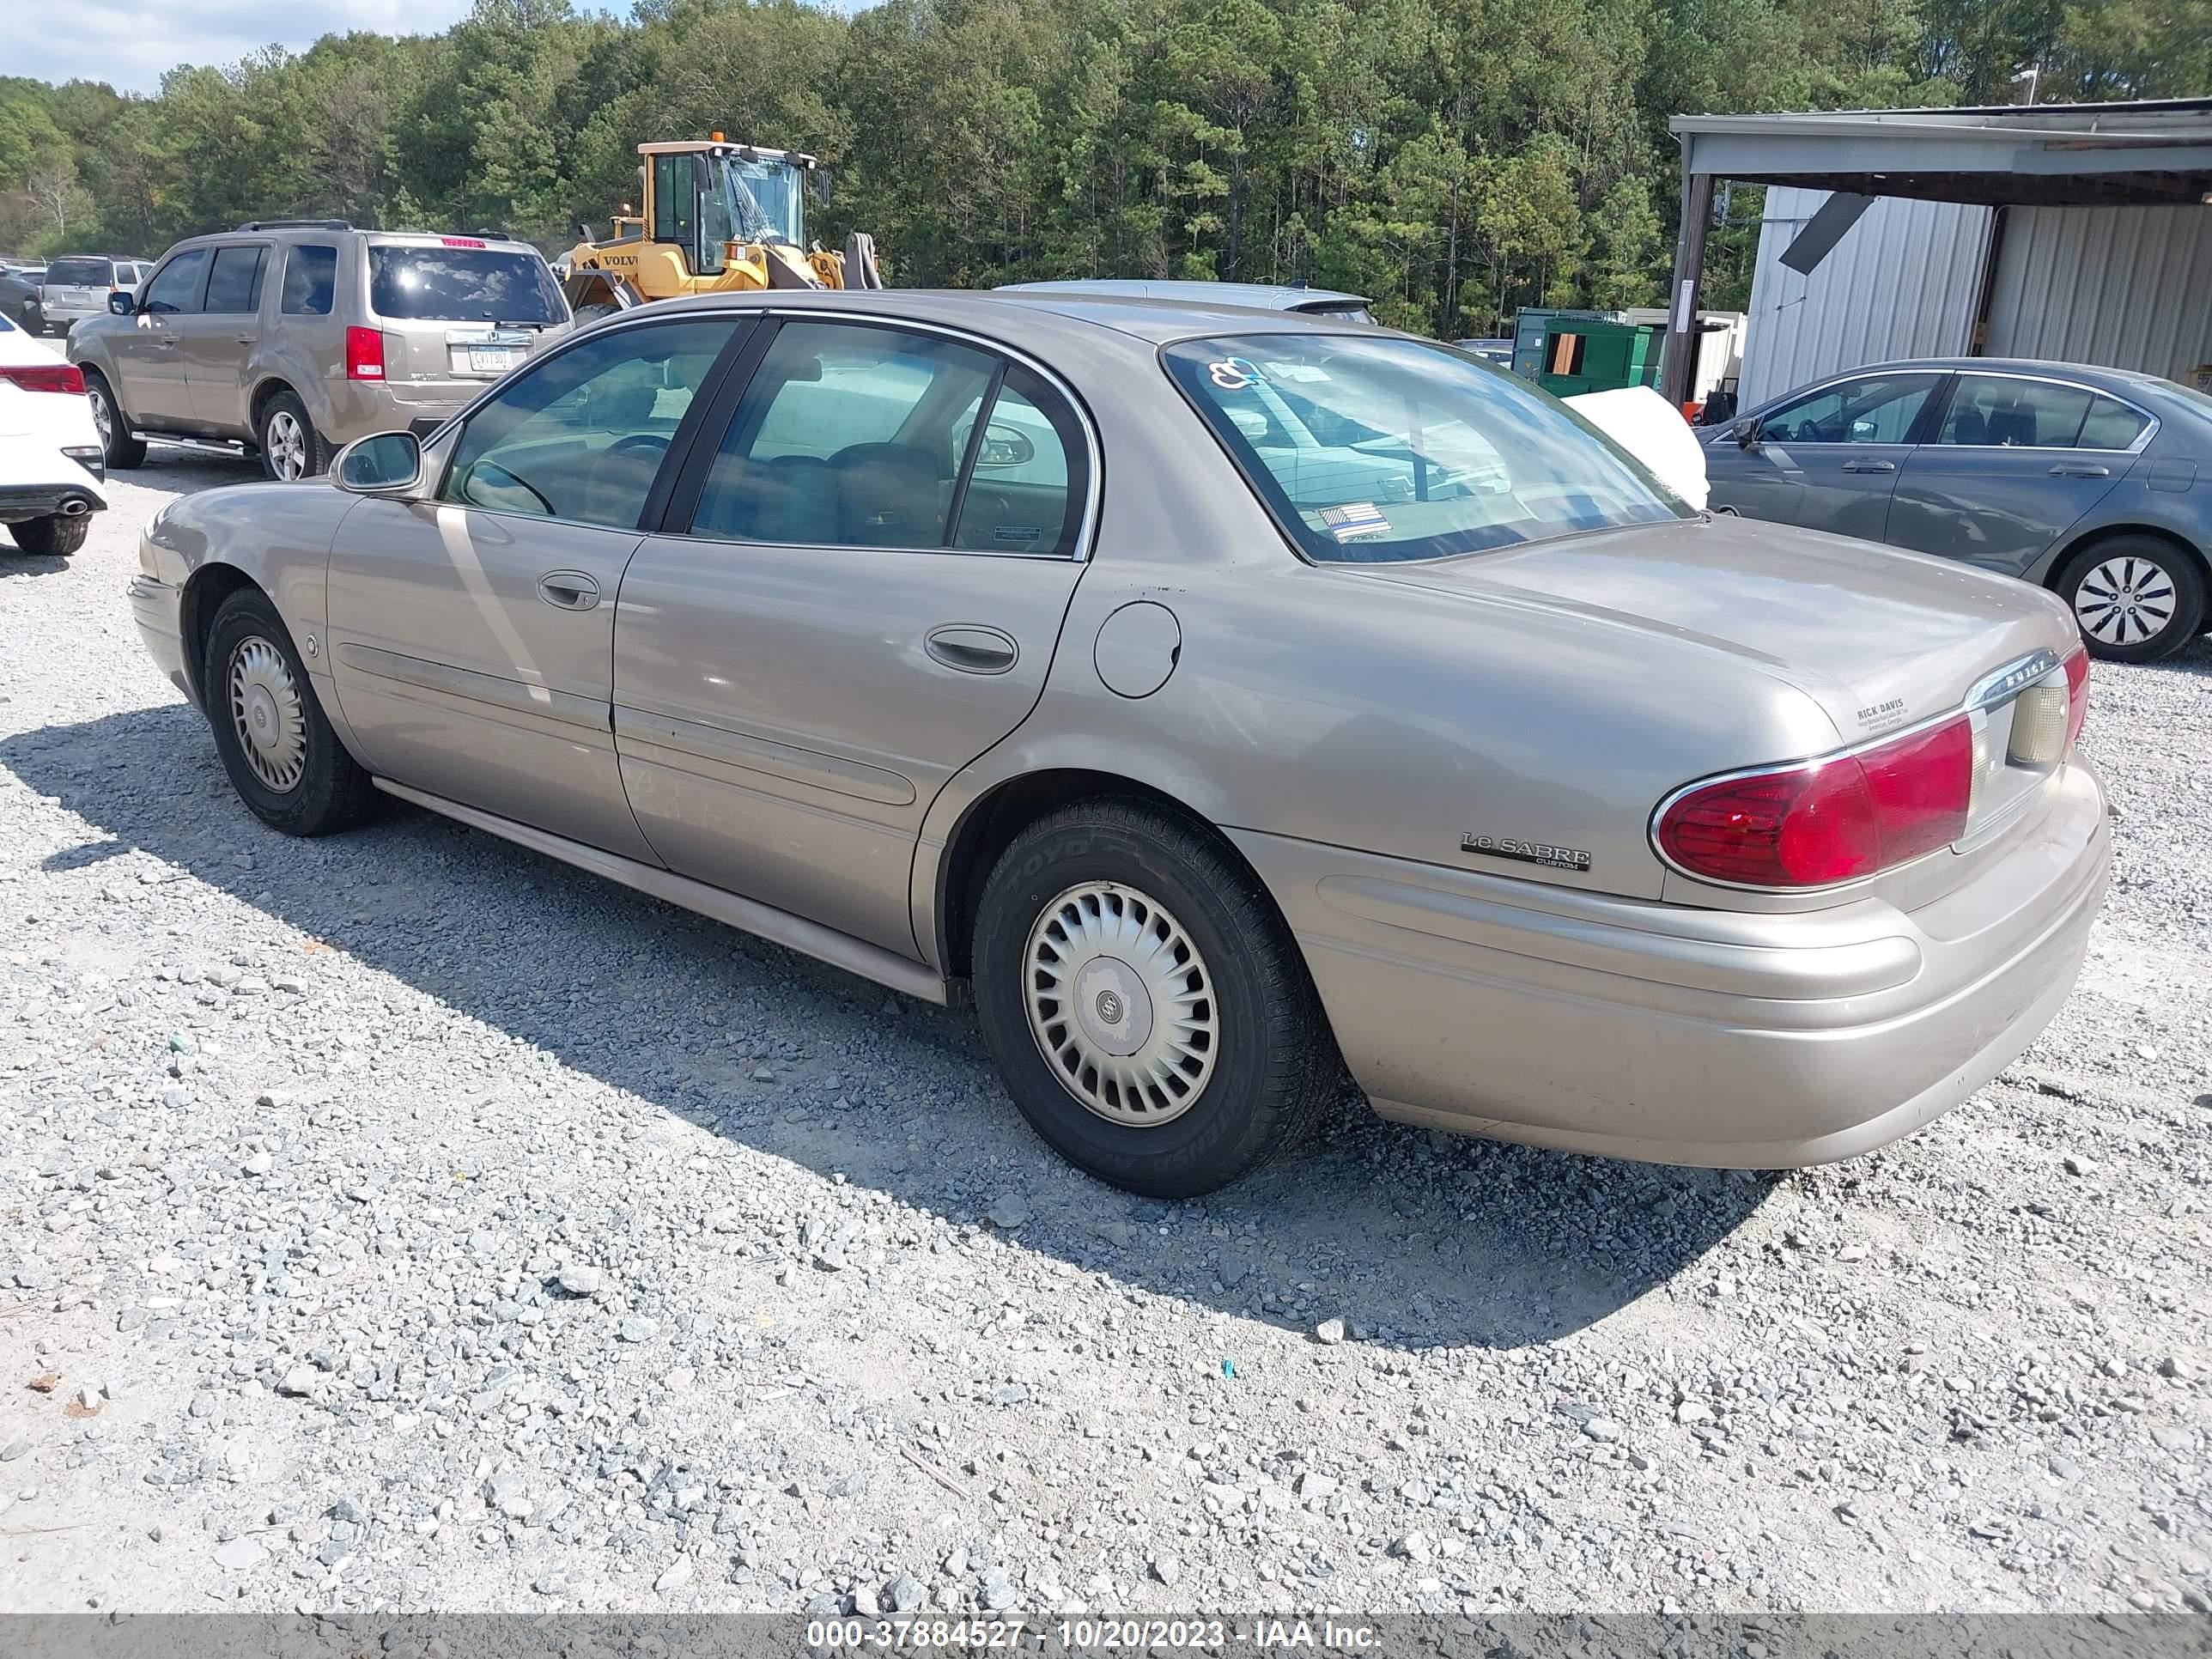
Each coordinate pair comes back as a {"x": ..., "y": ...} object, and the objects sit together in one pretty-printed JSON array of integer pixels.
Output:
[{"x": 131, "y": 44}]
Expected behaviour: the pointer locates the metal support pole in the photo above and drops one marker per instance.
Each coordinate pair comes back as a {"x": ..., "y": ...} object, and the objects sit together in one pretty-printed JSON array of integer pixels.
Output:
[{"x": 1682, "y": 360}]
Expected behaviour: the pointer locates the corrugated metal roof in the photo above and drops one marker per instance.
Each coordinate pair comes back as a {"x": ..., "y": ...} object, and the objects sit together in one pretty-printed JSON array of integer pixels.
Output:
[{"x": 2122, "y": 286}]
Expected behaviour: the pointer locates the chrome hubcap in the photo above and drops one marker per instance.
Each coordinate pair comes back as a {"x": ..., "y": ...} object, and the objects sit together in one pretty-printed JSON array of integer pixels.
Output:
[
  {"x": 1121, "y": 1004},
  {"x": 102, "y": 422},
  {"x": 286, "y": 445},
  {"x": 265, "y": 706},
  {"x": 2124, "y": 601}
]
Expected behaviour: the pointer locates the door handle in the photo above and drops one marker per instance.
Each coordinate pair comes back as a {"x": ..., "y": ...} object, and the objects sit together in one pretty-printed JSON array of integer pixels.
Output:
[
  {"x": 972, "y": 649},
  {"x": 1870, "y": 466},
  {"x": 246, "y": 339},
  {"x": 568, "y": 590},
  {"x": 2080, "y": 470}
]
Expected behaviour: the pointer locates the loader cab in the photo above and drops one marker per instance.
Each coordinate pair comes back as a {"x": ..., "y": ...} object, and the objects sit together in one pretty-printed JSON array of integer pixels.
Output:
[{"x": 700, "y": 197}]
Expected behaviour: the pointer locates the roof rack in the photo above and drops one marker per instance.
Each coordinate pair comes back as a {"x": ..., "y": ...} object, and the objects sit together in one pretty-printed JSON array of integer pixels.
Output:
[{"x": 297, "y": 224}]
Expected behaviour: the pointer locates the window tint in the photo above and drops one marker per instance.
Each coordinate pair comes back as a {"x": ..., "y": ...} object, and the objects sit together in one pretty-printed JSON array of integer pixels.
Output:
[
  {"x": 311, "y": 276},
  {"x": 462, "y": 285},
  {"x": 2112, "y": 425},
  {"x": 80, "y": 273},
  {"x": 582, "y": 435},
  {"x": 176, "y": 286},
  {"x": 1021, "y": 494},
  {"x": 845, "y": 437},
  {"x": 1369, "y": 448},
  {"x": 1990, "y": 410},
  {"x": 1879, "y": 410},
  {"x": 234, "y": 281},
  {"x": 675, "y": 198}
]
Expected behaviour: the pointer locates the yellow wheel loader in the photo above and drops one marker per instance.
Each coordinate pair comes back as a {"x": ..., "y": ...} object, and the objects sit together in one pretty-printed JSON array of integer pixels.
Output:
[{"x": 715, "y": 218}]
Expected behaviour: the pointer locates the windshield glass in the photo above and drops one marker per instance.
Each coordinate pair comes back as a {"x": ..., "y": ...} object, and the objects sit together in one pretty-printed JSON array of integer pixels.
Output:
[
  {"x": 1377, "y": 449},
  {"x": 461, "y": 285},
  {"x": 765, "y": 201}
]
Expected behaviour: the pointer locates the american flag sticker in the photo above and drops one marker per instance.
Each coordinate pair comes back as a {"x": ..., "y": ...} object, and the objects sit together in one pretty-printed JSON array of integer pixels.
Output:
[{"x": 1354, "y": 520}]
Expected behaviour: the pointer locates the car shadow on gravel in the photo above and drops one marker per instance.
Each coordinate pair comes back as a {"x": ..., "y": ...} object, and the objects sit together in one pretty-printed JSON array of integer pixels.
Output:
[{"x": 1414, "y": 1239}]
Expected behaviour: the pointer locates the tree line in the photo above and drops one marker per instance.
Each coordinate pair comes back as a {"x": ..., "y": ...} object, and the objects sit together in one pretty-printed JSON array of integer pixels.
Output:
[{"x": 1453, "y": 159}]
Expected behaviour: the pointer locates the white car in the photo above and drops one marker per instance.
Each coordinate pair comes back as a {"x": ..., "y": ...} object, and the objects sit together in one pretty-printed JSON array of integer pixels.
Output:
[
  {"x": 78, "y": 285},
  {"x": 52, "y": 470}
]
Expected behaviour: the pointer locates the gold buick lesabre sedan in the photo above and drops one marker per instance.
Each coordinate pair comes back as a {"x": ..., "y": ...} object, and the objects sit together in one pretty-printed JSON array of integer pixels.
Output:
[{"x": 1223, "y": 699}]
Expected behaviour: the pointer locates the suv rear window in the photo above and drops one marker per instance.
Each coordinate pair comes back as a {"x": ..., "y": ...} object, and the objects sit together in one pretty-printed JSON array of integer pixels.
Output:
[
  {"x": 80, "y": 273},
  {"x": 462, "y": 285}
]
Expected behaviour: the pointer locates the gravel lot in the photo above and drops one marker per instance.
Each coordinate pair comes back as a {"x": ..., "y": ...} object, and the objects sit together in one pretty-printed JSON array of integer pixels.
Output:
[{"x": 405, "y": 1221}]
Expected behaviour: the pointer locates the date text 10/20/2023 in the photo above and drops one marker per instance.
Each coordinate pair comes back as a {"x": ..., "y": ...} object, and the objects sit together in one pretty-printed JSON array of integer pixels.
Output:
[{"x": 1089, "y": 1635}]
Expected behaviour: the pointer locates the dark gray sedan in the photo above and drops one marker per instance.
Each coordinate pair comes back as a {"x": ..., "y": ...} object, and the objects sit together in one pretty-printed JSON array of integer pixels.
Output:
[{"x": 2085, "y": 481}]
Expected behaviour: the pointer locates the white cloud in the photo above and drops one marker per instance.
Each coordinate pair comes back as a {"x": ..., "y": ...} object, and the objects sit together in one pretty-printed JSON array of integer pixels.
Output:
[{"x": 132, "y": 44}]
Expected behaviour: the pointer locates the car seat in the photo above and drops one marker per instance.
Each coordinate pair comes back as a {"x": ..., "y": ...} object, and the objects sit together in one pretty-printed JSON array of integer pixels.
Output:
[{"x": 887, "y": 495}]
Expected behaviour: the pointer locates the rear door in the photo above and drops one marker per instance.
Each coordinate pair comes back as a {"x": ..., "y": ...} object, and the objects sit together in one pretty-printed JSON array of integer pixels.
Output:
[
  {"x": 151, "y": 356},
  {"x": 459, "y": 312},
  {"x": 215, "y": 343},
  {"x": 869, "y": 563},
  {"x": 1828, "y": 459},
  {"x": 2014, "y": 462}
]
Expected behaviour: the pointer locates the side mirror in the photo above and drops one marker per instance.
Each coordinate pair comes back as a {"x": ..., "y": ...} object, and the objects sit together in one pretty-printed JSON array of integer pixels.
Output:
[
  {"x": 1746, "y": 432},
  {"x": 123, "y": 304},
  {"x": 1004, "y": 446},
  {"x": 387, "y": 463}
]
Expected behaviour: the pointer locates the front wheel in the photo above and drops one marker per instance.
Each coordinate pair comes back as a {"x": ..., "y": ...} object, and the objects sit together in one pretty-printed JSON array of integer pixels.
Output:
[
  {"x": 53, "y": 537},
  {"x": 2136, "y": 598},
  {"x": 1148, "y": 1009},
  {"x": 277, "y": 743}
]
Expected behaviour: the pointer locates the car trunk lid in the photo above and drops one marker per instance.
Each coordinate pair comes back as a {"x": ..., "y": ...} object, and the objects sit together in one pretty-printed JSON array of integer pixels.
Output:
[{"x": 459, "y": 312}]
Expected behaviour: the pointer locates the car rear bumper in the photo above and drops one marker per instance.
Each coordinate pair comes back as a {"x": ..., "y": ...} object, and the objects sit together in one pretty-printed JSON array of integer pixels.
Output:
[
  {"x": 46, "y": 501},
  {"x": 1678, "y": 1034},
  {"x": 158, "y": 609}
]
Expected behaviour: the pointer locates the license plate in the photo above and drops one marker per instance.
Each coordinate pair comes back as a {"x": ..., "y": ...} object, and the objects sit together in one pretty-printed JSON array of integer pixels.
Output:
[{"x": 493, "y": 359}]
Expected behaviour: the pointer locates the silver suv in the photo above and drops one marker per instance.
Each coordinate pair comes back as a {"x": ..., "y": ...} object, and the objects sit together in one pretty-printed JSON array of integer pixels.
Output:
[
  {"x": 290, "y": 337},
  {"x": 79, "y": 285}
]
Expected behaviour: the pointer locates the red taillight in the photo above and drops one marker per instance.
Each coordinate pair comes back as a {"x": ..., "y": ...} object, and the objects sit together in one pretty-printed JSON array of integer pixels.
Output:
[
  {"x": 364, "y": 354},
  {"x": 2077, "y": 695},
  {"x": 44, "y": 377},
  {"x": 1826, "y": 821}
]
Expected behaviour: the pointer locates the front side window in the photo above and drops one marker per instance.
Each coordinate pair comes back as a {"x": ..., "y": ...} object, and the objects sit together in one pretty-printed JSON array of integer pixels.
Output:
[
  {"x": 1880, "y": 408},
  {"x": 310, "y": 279},
  {"x": 234, "y": 283},
  {"x": 675, "y": 199},
  {"x": 1997, "y": 411},
  {"x": 1377, "y": 449},
  {"x": 845, "y": 438},
  {"x": 176, "y": 286},
  {"x": 582, "y": 435},
  {"x": 454, "y": 283}
]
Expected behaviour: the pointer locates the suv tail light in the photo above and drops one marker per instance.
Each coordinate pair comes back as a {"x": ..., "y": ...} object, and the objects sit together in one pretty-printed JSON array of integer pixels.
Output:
[
  {"x": 44, "y": 377},
  {"x": 364, "y": 354},
  {"x": 1826, "y": 821}
]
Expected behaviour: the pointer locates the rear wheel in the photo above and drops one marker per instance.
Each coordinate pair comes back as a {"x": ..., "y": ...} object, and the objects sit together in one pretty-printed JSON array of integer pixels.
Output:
[
  {"x": 277, "y": 743},
  {"x": 291, "y": 448},
  {"x": 1147, "y": 1008},
  {"x": 53, "y": 537},
  {"x": 2136, "y": 598},
  {"x": 123, "y": 450}
]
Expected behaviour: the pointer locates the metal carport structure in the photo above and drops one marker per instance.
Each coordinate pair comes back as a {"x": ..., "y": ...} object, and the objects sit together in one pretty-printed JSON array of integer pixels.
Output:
[{"x": 2143, "y": 154}]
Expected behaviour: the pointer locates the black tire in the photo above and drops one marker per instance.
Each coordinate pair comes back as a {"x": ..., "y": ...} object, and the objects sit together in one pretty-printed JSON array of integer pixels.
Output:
[
  {"x": 330, "y": 792},
  {"x": 53, "y": 537},
  {"x": 2157, "y": 573},
  {"x": 280, "y": 445},
  {"x": 1275, "y": 1067},
  {"x": 124, "y": 448}
]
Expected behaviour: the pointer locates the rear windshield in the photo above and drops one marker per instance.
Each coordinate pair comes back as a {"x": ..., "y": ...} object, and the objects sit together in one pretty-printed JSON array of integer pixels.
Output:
[
  {"x": 1371, "y": 449},
  {"x": 80, "y": 273},
  {"x": 462, "y": 285}
]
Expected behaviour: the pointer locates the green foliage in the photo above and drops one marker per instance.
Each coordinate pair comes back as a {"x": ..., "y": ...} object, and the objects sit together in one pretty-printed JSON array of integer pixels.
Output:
[{"x": 1453, "y": 159}]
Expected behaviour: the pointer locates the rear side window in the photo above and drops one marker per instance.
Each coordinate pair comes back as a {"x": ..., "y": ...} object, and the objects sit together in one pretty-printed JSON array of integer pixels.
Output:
[
  {"x": 2112, "y": 425},
  {"x": 311, "y": 278},
  {"x": 80, "y": 273},
  {"x": 176, "y": 286},
  {"x": 234, "y": 283},
  {"x": 461, "y": 285}
]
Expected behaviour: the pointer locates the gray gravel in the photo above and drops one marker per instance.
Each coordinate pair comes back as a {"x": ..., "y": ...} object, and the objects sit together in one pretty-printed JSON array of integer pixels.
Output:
[{"x": 404, "y": 1221}]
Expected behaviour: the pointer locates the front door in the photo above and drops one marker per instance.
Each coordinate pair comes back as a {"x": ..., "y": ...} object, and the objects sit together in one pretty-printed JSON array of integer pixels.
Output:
[
  {"x": 2013, "y": 463},
  {"x": 1827, "y": 460},
  {"x": 150, "y": 357},
  {"x": 472, "y": 632},
  {"x": 878, "y": 550},
  {"x": 215, "y": 341}
]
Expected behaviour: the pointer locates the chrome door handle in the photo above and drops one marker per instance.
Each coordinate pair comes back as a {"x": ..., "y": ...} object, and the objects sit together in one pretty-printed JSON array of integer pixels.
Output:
[
  {"x": 2080, "y": 470},
  {"x": 972, "y": 649},
  {"x": 568, "y": 590},
  {"x": 246, "y": 339},
  {"x": 1870, "y": 466}
]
